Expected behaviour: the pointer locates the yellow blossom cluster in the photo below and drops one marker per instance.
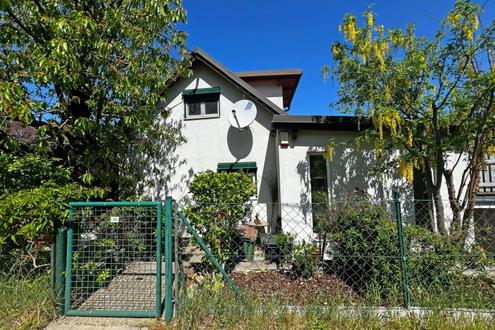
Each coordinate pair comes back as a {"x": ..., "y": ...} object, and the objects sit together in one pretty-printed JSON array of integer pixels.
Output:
[
  {"x": 349, "y": 28},
  {"x": 467, "y": 23},
  {"x": 380, "y": 49},
  {"x": 406, "y": 170},
  {"x": 328, "y": 153}
]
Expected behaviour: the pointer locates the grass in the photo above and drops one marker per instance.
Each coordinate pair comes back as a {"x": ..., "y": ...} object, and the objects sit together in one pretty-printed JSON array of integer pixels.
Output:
[
  {"x": 218, "y": 308},
  {"x": 26, "y": 304}
]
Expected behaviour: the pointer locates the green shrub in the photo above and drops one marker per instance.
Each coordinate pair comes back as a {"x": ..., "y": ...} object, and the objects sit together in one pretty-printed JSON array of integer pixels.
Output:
[
  {"x": 365, "y": 252},
  {"x": 305, "y": 260},
  {"x": 285, "y": 244},
  {"x": 27, "y": 220},
  {"x": 30, "y": 171},
  {"x": 219, "y": 203}
]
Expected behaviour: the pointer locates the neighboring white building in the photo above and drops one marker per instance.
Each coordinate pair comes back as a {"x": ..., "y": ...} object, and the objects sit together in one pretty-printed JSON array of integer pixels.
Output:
[{"x": 282, "y": 152}]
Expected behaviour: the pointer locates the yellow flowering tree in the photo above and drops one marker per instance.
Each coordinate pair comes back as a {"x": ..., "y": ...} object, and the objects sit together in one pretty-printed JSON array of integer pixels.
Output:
[{"x": 431, "y": 100}]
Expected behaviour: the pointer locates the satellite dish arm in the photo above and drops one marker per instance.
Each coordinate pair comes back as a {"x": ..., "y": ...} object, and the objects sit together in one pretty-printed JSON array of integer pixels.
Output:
[{"x": 236, "y": 120}]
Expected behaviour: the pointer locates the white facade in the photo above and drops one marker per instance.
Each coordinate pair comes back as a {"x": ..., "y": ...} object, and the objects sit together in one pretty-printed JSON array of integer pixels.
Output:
[
  {"x": 283, "y": 173},
  {"x": 349, "y": 171},
  {"x": 211, "y": 141}
]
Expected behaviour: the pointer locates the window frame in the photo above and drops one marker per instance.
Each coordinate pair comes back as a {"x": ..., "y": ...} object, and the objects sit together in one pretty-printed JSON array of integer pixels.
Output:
[{"x": 201, "y": 96}]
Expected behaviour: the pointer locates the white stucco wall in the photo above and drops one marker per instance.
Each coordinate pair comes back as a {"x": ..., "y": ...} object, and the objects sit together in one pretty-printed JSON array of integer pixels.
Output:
[
  {"x": 212, "y": 141},
  {"x": 271, "y": 89},
  {"x": 349, "y": 169}
]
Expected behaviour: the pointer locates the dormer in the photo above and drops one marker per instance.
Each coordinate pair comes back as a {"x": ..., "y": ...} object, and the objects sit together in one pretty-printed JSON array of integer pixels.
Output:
[{"x": 278, "y": 86}]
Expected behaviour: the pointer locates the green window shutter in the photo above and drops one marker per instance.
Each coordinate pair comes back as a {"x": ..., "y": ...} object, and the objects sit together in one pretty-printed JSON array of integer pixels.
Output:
[
  {"x": 201, "y": 95},
  {"x": 200, "y": 91},
  {"x": 246, "y": 166}
]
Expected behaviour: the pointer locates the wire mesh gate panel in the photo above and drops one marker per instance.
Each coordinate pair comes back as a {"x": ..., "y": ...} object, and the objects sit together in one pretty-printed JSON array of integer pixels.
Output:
[{"x": 114, "y": 263}]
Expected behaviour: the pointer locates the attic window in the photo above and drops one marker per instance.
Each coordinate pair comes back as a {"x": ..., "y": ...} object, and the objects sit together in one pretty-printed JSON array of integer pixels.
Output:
[{"x": 202, "y": 103}]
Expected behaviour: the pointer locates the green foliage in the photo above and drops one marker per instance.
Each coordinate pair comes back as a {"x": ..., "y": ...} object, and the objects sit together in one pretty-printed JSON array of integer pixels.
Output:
[
  {"x": 285, "y": 243},
  {"x": 219, "y": 203},
  {"x": 30, "y": 171},
  {"x": 365, "y": 254},
  {"x": 28, "y": 214},
  {"x": 90, "y": 76},
  {"x": 34, "y": 196},
  {"x": 365, "y": 251},
  {"x": 425, "y": 98},
  {"x": 305, "y": 260}
]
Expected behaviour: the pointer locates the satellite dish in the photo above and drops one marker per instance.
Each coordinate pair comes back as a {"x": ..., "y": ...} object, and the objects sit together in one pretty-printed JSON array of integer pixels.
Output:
[{"x": 243, "y": 114}]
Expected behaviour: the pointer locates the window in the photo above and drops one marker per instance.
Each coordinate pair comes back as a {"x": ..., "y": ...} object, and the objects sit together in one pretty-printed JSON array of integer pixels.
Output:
[
  {"x": 487, "y": 177},
  {"x": 319, "y": 189},
  {"x": 202, "y": 103}
]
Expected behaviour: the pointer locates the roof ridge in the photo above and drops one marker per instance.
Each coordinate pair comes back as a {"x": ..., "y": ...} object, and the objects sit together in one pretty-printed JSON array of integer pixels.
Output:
[{"x": 205, "y": 57}]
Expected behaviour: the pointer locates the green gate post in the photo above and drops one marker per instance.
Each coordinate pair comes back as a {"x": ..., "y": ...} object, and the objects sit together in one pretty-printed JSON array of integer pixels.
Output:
[
  {"x": 60, "y": 267},
  {"x": 68, "y": 259},
  {"x": 168, "y": 259},
  {"x": 177, "y": 262},
  {"x": 403, "y": 262},
  {"x": 158, "y": 287}
]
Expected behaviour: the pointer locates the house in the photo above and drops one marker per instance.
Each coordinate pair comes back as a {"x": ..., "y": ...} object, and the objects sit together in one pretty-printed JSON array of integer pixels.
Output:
[{"x": 282, "y": 152}]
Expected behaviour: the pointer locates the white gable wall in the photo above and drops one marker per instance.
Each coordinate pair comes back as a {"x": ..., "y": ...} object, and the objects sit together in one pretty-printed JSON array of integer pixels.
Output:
[
  {"x": 211, "y": 141},
  {"x": 271, "y": 89}
]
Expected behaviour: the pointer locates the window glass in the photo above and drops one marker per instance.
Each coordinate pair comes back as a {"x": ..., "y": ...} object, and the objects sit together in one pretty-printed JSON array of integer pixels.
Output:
[
  {"x": 201, "y": 103},
  {"x": 194, "y": 108},
  {"x": 211, "y": 107}
]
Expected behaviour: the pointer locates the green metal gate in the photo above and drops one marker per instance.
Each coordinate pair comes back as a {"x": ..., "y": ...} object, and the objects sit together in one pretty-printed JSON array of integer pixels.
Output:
[{"x": 114, "y": 260}]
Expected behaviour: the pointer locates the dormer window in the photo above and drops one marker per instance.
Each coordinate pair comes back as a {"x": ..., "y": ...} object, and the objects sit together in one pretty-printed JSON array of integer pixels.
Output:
[{"x": 202, "y": 103}]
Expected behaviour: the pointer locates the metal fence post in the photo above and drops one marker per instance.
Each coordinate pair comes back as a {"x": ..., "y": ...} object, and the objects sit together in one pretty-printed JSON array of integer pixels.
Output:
[
  {"x": 59, "y": 267},
  {"x": 158, "y": 261},
  {"x": 177, "y": 262},
  {"x": 168, "y": 259},
  {"x": 403, "y": 262}
]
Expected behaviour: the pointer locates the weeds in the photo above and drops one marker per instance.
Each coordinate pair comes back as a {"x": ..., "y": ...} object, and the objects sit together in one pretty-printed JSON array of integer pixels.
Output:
[
  {"x": 220, "y": 309},
  {"x": 26, "y": 304}
]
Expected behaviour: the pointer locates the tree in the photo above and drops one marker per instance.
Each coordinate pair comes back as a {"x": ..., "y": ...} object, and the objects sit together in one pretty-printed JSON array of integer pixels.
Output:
[
  {"x": 89, "y": 76},
  {"x": 433, "y": 100}
]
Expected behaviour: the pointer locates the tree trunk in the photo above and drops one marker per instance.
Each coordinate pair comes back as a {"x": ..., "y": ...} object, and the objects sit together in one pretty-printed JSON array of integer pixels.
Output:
[
  {"x": 454, "y": 202},
  {"x": 440, "y": 212}
]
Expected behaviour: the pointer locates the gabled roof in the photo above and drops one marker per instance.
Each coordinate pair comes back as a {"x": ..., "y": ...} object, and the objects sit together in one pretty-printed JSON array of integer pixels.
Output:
[
  {"x": 201, "y": 55},
  {"x": 287, "y": 78}
]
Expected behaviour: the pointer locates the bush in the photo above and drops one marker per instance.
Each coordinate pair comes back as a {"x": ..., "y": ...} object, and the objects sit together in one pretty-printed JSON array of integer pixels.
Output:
[
  {"x": 365, "y": 253},
  {"x": 285, "y": 244},
  {"x": 305, "y": 260},
  {"x": 34, "y": 195},
  {"x": 365, "y": 249},
  {"x": 219, "y": 203}
]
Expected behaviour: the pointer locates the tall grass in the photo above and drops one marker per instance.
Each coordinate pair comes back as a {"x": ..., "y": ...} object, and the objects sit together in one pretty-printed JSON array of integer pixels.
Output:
[
  {"x": 208, "y": 308},
  {"x": 26, "y": 303}
]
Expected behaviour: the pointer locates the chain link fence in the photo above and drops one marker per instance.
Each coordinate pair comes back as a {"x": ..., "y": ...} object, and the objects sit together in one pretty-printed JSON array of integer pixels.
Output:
[{"x": 352, "y": 250}]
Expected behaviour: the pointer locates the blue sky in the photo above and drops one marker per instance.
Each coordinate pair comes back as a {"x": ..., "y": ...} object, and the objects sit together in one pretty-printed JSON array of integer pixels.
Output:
[{"x": 275, "y": 34}]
